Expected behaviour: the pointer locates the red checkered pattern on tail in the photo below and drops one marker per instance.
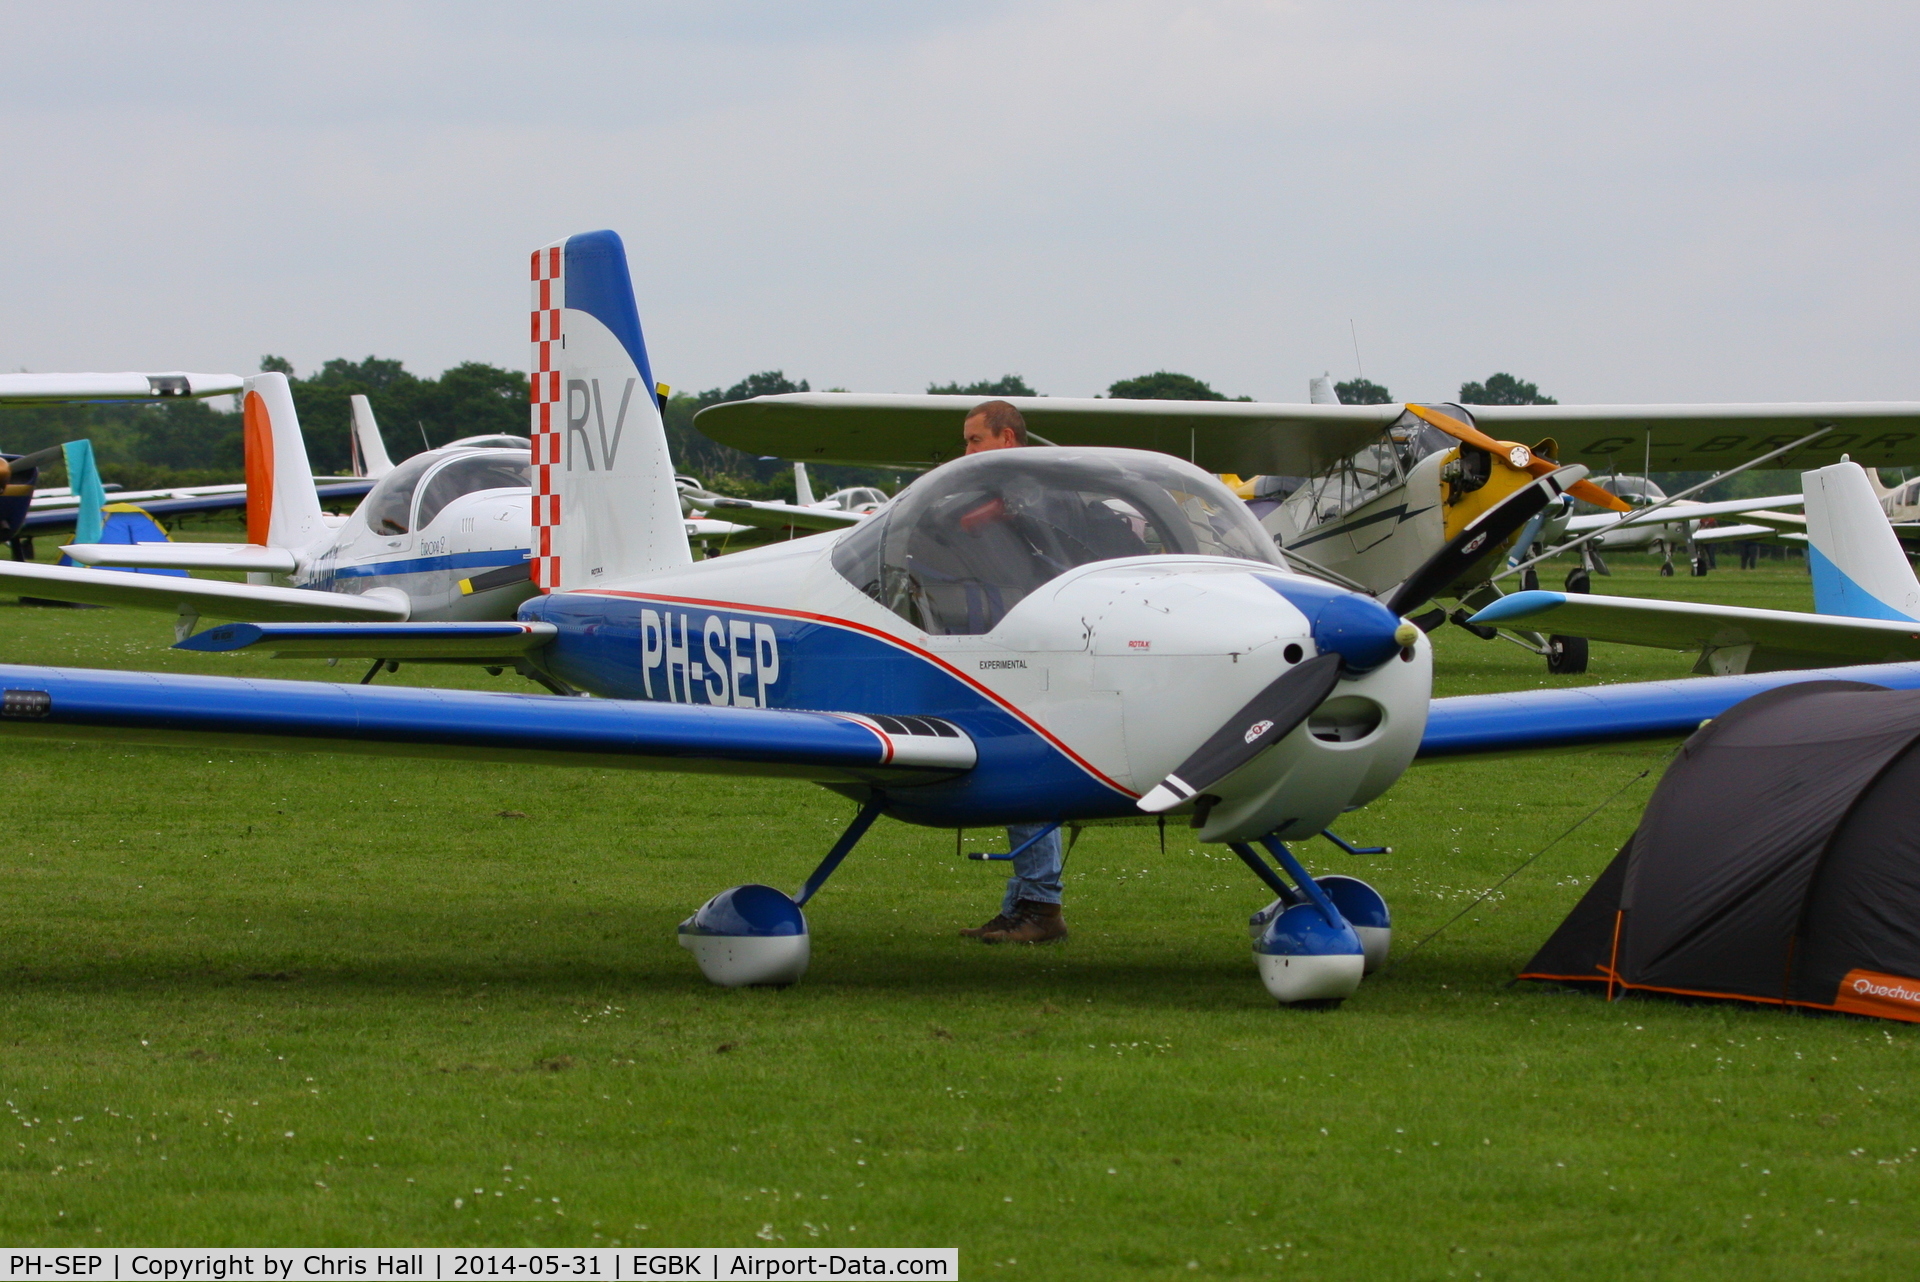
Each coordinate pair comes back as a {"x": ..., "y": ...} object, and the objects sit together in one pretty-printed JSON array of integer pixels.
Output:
[{"x": 544, "y": 392}]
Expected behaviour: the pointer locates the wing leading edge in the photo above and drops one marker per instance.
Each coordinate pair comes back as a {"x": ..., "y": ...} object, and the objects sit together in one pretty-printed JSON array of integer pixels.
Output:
[
  {"x": 1777, "y": 638},
  {"x": 169, "y": 709},
  {"x": 1254, "y": 437},
  {"x": 1545, "y": 720}
]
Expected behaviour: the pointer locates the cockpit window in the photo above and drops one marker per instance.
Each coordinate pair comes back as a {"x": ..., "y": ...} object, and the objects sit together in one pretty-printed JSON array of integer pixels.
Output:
[
  {"x": 389, "y": 503},
  {"x": 968, "y": 541},
  {"x": 470, "y": 475}
]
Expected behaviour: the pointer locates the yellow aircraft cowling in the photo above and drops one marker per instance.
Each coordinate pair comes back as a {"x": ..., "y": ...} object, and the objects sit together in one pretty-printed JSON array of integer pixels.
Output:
[{"x": 1503, "y": 481}]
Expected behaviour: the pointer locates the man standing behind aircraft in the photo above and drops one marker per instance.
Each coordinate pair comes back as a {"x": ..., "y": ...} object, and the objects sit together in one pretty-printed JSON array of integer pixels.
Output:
[{"x": 1030, "y": 912}]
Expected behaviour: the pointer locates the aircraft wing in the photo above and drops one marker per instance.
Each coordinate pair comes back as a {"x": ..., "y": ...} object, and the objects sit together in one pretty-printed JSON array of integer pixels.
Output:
[
  {"x": 918, "y": 431},
  {"x": 1266, "y": 438},
  {"x": 185, "y": 556},
  {"x": 47, "y": 520},
  {"x": 1780, "y": 638},
  {"x": 171, "y": 709},
  {"x": 1683, "y": 511},
  {"x": 54, "y": 389},
  {"x": 766, "y": 515},
  {"x": 501, "y": 642},
  {"x": 210, "y": 597},
  {"x": 1546, "y": 720}
]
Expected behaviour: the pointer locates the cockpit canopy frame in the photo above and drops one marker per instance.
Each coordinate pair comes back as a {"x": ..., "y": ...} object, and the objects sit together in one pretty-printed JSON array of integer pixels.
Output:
[{"x": 964, "y": 544}]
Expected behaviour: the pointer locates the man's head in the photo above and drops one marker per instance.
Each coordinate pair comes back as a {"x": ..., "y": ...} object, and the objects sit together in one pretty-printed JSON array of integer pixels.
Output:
[{"x": 993, "y": 425}]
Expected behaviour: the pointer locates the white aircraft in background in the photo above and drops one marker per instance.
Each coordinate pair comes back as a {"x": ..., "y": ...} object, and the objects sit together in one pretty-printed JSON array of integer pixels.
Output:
[
  {"x": 744, "y": 523},
  {"x": 1866, "y": 598},
  {"x": 1680, "y": 524},
  {"x": 443, "y": 536}
]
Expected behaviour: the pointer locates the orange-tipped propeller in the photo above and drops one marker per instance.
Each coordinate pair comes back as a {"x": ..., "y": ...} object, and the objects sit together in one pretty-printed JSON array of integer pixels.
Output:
[{"x": 1536, "y": 466}]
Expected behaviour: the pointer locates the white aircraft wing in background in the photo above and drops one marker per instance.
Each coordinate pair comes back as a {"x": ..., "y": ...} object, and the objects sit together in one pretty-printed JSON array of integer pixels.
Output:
[
  {"x": 1683, "y": 511},
  {"x": 190, "y": 598},
  {"x": 766, "y": 514},
  {"x": 54, "y": 389},
  {"x": 1758, "y": 640}
]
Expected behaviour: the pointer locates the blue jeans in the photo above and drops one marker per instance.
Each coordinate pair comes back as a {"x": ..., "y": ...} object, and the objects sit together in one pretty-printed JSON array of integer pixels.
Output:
[{"x": 1036, "y": 870}]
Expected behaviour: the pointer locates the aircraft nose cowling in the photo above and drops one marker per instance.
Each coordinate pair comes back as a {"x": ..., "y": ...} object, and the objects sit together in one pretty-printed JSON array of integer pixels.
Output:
[{"x": 1364, "y": 633}]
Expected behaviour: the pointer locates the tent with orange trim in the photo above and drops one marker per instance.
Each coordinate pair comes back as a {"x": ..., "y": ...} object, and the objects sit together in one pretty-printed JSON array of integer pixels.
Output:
[{"x": 1777, "y": 862}]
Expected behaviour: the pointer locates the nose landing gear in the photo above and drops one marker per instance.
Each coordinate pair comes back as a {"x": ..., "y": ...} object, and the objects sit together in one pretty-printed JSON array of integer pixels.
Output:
[{"x": 1315, "y": 942}]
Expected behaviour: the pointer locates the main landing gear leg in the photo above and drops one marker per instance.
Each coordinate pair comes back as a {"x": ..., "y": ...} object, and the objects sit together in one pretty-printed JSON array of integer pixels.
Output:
[
  {"x": 1317, "y": 939},
  {"x": 755, "y": 935}
]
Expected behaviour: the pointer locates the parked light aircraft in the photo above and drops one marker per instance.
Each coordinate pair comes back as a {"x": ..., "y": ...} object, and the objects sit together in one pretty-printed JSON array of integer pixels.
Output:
[
  {"x": 1054, "y": 636},
  {"x": 443, "y": 535},
  {"x": 1365, "y": 491},
  {"x": 1866, "y": 598}
]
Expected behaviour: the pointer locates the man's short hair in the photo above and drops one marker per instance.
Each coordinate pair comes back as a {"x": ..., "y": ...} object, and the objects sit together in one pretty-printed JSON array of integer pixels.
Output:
[{"x": 1001, "y": 418}]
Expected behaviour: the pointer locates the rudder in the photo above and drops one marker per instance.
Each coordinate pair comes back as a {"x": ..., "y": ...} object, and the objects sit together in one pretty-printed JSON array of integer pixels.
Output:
[
  {"x": 283, "y": 508},
  {"x": 605, "y": 506},
  {"x": 1859, "y": 569}
]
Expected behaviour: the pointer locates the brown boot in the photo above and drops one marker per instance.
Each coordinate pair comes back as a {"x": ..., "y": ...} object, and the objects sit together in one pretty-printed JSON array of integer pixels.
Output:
[
  {"x": 999, "y": 923},
  {"x": 1033, "y": 923}
]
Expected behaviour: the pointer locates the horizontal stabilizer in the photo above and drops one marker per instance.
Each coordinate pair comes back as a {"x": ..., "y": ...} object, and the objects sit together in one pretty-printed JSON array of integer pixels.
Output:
[
  {"x": 1776, "y": 635},
  {"x": 473, "y": 642},
  {"x": 310, "y": 716},
  {"x": 197, "y": 596},
  {"x": 52, "y": 389},
  {"x": 185, "y": 556},
  {"x": 1543, "y": 720}
]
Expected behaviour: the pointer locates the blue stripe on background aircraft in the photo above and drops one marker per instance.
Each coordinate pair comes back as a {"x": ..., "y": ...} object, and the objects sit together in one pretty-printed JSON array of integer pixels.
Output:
[{"x": 1052, "y": 636}]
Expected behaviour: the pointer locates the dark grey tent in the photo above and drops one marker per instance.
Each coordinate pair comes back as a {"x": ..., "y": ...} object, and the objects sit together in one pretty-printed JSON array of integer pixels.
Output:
[{"x": 1778, "y": 861}]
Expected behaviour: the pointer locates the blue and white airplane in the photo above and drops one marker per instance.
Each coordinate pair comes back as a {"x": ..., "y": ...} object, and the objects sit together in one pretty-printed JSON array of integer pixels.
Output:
[{"x": 1048, "y": 636}]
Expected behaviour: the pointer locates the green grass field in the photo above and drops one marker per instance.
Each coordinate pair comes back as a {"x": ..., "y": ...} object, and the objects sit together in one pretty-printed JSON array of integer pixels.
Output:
[{"x": 336, "y": 1001}]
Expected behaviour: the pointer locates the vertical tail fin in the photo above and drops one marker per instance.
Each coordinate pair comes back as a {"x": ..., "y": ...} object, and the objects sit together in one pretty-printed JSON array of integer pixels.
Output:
[
  {"x": 283, "y": 508},
  {"x": 1859, "y": 569},
  {"x": 1320, "y": 391},
  {"x": 604, "y": 502},
  {"x": 368, "y": 445},
  {"x": 802, "y": 487}
]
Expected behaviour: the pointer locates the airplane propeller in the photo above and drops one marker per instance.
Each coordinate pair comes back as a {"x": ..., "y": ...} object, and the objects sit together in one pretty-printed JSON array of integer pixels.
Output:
[
  {"x": 27, "y": 462},
  {"x": 1487, "y": 530},
  {"x": 1269, "y": 717},
  {"x": 1518, "y": 455}
]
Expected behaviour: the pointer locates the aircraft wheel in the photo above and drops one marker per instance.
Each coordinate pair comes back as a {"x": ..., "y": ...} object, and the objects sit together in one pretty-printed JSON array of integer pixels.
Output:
[
  {"x": 1578, "y": 580},
  {"x": 749, "y": 936},
  {"x": 1530, "y": 580},
  {"x": 1567, "y": 655},
  {"x": 1700, "y": 565},
  {"x": 1666, "y": 569}
]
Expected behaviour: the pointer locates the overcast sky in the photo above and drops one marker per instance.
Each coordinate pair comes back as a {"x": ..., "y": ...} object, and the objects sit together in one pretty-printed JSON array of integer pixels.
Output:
[{"x": 1624, "y": 202}]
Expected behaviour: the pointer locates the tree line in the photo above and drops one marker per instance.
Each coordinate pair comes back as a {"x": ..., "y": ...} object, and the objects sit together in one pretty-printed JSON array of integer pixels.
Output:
[{"x": 192, "y": 443}]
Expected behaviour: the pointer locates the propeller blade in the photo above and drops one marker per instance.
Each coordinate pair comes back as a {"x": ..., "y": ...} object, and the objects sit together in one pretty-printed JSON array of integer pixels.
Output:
[
  {"x": 1269, "y": 717},
  {"x": 27, "y": 462},
  {"x": 1582, "y": 489},
  {"x": 1470, "y": 545}
]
